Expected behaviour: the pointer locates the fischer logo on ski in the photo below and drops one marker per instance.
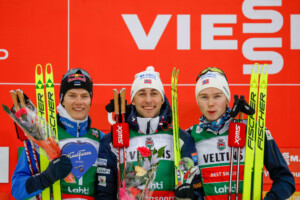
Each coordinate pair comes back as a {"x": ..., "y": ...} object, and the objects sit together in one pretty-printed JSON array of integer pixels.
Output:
[{"x": 255, "y": 137}]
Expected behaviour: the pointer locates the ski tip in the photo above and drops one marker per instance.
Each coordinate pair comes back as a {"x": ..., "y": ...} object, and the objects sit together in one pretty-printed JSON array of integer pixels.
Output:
[
  {"x": 265, "y": 69},
  {"x": 49, "y": 68},
  {"x": 38, "y": 69},
  {"x": 255, "y": 68}
]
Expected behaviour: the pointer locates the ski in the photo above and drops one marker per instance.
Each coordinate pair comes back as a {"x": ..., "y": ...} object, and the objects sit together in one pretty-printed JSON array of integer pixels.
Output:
[
  {"x": 52, "y": 121},
  {"x": 260, "y": 134},
  {"x": 51, "y": 110},
  {"x": 41, "y": 112},
  {"x": 176, "y": 142},
  {"x": 252, "y": 155}
]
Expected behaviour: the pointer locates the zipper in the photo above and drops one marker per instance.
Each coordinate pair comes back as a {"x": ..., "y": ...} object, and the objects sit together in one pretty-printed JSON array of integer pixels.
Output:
[{"x": 78, "y": 129}]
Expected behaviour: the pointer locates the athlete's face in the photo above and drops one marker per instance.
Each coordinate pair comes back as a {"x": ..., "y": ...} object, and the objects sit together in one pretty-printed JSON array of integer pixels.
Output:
[
  {"x": 77, "y": 103},
  {"x": 212, "y": 103},
  {"x": 148, "y": 102}
]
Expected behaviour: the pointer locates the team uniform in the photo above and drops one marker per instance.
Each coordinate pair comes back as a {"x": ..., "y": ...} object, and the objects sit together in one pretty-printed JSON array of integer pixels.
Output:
[
  {"x": 159, "y": 134},
  {"x": 214, "y": 163},
  {"x": 81, "y": 144}
]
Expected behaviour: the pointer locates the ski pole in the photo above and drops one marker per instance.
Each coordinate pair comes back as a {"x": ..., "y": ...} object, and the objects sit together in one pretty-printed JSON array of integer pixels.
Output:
[
  {"x": 120, "y": 131},
  {"x": 23, "y": 105},
  {"x": 243, "y": 140},
  {"x": 236, "y": 139},
  {"x": 231, "y": 144},
  {"x": 125, "y": 139},
  {"x": 116, "y": 104},
  {"x": 239, "y": 159}
]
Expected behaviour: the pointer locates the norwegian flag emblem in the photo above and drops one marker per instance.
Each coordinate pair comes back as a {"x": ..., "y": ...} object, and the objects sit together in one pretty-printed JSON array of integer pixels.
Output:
[
  {"x": 147, "y": 81},
  {"x": 206, "y": 81}
]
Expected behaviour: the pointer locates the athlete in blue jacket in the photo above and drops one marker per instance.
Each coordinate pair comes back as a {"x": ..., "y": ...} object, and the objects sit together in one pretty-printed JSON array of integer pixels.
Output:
[{"x": 75, "y": 136}]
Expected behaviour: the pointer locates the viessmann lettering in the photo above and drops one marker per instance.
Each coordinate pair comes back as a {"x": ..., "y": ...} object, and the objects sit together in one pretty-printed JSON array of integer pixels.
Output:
[{"x": 208, "y": 31}]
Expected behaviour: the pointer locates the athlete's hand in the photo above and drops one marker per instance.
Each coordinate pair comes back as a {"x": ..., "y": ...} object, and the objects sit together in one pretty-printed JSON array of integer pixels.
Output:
[
  {"x": 57, "y": 169},
  {"x": 184, "y": 192}
]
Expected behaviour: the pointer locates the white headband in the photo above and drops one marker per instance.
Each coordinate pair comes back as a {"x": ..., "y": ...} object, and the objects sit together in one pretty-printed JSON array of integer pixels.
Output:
[
  {"x": 147, "y": 79},
  {"x": 215, "y": 80}
]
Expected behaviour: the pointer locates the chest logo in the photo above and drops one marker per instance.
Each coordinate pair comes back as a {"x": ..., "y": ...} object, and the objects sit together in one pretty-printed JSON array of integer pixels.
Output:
[
  {"x": 83, "y": 156},
  {"x": 149, "y": 142},
  {"x": 221, "y": 144}
]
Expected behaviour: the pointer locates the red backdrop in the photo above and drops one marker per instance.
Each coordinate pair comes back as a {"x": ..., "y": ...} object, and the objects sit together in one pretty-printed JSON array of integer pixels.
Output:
[{"x": 113, "y": 40}]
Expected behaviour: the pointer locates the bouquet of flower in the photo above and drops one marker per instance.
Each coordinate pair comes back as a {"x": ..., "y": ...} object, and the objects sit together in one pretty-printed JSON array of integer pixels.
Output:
[
  {"x": 140, "y": 175},
  {"x": 36, "y": 129}
]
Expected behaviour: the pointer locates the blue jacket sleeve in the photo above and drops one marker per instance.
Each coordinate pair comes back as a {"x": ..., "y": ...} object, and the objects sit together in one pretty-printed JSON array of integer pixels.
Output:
[
  {"x": 20, "y": 176},
  {"x": 188, "y": 149},
  {"x": 107, "y": 174},
  {"x": 283, "y": 181}
]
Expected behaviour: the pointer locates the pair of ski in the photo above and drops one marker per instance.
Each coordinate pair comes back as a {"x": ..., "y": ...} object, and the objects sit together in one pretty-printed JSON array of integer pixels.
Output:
[
  {"x": 52, "y": 120},
  {"x": 177, "y": 156},
  {"x": 255, "y": 137}
]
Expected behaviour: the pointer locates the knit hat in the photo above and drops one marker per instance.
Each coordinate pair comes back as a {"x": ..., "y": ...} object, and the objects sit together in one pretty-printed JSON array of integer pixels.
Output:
[
  {"x": 213, "y": 79},
  {"x": 75, "y": 78},
  {"x": 147, "y": 79}
]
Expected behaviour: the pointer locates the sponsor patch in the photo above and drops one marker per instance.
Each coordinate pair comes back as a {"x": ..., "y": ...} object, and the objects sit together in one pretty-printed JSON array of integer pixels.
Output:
[
  {"x": 197, "y": 185},
  {"x": 195, "y": 157},
  {"x": 269, "y": 136},
  {"x": 76, "y": 77},
  {"x": 95, "y": 133},
  {"x": 102, "y": 170},
  {"x": 143, "y": 76},
  {"x": 101, "y": 162},
  {"x": 102, "y": 181},
  {"x": 209, "y": 75}
]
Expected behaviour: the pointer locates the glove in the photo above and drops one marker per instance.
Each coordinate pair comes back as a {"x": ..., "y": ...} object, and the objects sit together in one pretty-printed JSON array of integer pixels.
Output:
[
  {"x": 110, "y": 107},
  {"x": 57, "y": 169},
  {"x": 184, "y": 192}
]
